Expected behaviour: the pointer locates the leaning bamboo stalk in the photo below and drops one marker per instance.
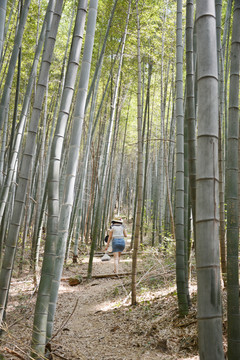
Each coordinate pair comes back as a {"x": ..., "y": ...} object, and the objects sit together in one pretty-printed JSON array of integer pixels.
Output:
[
  {"x": 12, "y": 65},
  {"x": 3, "y": 10},
  {"x": 24, "y": 112},
  {"x": 73, "y": 154},
  {"x": 41, "y": 320},
  {"x": 25, "y": 170},
  {"x": 107, "y": 155}
]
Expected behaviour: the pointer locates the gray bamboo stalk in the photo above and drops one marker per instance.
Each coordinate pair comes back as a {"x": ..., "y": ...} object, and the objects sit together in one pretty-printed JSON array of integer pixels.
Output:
[
  {"x": 15, "y": 112},
  {"x": 108, "y": 141},
  {"x": 120, "y": 183},
  {"x": 102, "y": 169},
  {"x": 224, "y": 71},
  {"x": 168, "y": 167},
  {"x": 187, "y": 212},
  {"x": 207, "y": 196},
  {"x": 107, "y": 195},
  {"x": 97, "y": 72},
  {"x": 14, "y": 118},
  {"x": 179, "y": 222},
  {"x": 105, "y": 208},
  {"x": 39, "y": 336},
  {"x": 92, "y": 192},
  {"x": 3, "y": 149},
  {"x": 162, "y": 154},
  {"x": 12, "y": 65},
  {"x": 232, "y": 196},
  {"x": 77, "y": 208},
  {"x": 112, "y": 196},
  {"x": 6, "y": 40},
  {"x": 39, "y": 189},
  {"x": 163, "y": 94},
  {"x": 222, "y": 232},
  {"x": 72, "y": 161},
  {"x": 160, "y": 181},
  {"x": 24, "y": 112},
  {"x": 38, "y": 226},
  {"x": 190, "y": 106},
  {"x": 43, "y": 196},
  {"x": 94, "y": 85},
  {"x": 226, "y": 28},
  {"x": 218, "y": 6},
  {"x": 3, "y": 10},
  {"x": 225, "y": 51},
  {"x": 139, "y": 167},
  {"x": 154, "y": 198},
  {"x": 106, "y": 90},
  {"x": 85, "y": 161},
  {"x": 19, "y": 204},
  {"x": 25, "y": 231},
  {"x": 146, "y": 120},
  {"x": 114, "y": 101},
  {"x": 154, "y": 194}
]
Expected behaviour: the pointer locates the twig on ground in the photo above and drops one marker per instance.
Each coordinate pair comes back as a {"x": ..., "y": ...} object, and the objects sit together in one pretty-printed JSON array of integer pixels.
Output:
[
  {"x": 153, "y": 276},
  {"x": 187, "y": 324},
  {"x": 100, "y": 276},
  {"x": 13, "y": 342},
  {"x": 127, "y": 297},
  {"x": 15, "y": 353},
  {"x": 65, "y": 321},
  {"x": 122, "y": 285},
  {"x": 60, "y": 356},
  {"x": 16, "y": 321}
]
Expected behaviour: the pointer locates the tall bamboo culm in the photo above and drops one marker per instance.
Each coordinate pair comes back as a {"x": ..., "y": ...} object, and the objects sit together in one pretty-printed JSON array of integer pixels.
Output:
[
  {"x": 232, "y": 196},
  {"x": 207, "y": 196},
  {"x": 179, "y": 221},
  {"x": 139, "y": 167}
]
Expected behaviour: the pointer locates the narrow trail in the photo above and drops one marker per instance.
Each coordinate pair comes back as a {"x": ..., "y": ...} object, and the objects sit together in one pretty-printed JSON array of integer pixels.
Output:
[
  {"x": 97, "y": 329},
  {"x": 95, "y": 321}
]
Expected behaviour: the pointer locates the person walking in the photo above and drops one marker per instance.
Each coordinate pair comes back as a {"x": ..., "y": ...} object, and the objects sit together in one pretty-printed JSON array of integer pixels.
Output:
[{"x": 117, "y": 234}]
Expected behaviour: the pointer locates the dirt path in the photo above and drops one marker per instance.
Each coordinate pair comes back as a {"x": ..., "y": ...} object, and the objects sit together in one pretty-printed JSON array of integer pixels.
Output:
[
  {"x": 97, "y": 330},
  {"x": 94, "y": 320},
  {"x": 94, "y": 331}
]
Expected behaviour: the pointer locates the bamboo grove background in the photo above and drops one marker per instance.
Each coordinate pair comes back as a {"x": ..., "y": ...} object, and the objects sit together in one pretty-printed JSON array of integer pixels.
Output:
[{"x": 100, "y": 109}]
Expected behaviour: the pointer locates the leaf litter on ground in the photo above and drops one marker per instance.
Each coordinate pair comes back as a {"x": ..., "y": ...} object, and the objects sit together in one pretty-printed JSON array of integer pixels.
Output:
[{"x": 95, "y": 319}]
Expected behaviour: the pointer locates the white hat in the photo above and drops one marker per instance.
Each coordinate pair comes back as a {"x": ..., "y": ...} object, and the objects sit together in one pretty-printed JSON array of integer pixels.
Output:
[{"x": 117, "y": 220}]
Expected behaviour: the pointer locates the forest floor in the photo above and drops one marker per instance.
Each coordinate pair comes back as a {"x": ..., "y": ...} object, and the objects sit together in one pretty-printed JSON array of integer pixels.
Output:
[{"x": 95, "y": 319}]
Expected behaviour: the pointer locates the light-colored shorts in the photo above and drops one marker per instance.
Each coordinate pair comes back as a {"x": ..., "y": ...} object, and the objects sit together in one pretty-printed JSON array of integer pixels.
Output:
[{"x": 118, "y": 244}]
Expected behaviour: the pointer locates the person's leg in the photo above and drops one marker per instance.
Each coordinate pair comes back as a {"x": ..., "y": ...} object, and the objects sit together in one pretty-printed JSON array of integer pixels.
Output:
[
  {"x": 115, "y": 254},
  {"x": 119, "y": 254}
]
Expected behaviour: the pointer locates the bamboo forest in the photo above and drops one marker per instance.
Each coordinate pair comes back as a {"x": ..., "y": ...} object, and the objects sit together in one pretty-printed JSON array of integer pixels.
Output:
[{"x": 119, "y": 179}]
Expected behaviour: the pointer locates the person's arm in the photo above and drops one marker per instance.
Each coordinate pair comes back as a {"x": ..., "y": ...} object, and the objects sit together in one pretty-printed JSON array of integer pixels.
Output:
[
  {"x": 124, "y": 233},
  {"x": 109, "y": 239}
]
